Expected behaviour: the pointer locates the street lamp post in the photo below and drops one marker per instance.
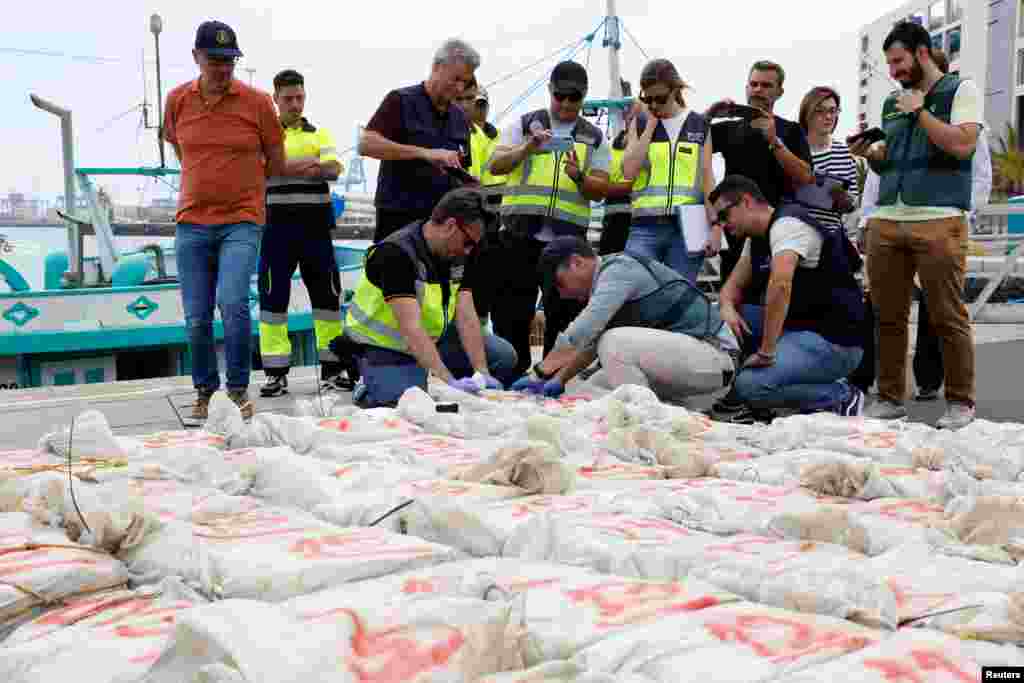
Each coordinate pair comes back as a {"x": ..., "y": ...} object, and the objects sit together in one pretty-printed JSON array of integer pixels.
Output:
[{"x": 156, "y": 25}]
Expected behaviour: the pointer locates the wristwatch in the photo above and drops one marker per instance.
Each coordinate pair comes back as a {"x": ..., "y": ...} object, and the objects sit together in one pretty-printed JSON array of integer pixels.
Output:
[{"x": 539, "y": 371}]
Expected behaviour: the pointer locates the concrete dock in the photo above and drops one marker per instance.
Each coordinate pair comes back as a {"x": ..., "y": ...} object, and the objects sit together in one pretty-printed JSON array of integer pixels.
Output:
[{"x": 154, "y": 405}]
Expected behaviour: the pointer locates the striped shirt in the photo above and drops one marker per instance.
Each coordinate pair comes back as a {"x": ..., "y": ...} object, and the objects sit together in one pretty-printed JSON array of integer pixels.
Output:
[{"x": 835, "y": 161}]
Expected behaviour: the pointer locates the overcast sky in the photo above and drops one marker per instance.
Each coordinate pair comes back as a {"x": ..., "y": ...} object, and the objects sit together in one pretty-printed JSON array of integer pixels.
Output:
[{"x": 352, "y": 53}]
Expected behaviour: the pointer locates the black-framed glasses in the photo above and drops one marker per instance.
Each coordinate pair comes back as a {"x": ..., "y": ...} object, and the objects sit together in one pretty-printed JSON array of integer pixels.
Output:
[
  {"x": 468, "y": 239},
  {"x": 723, "y": 214},
  {"x": 571, "y": 95}
]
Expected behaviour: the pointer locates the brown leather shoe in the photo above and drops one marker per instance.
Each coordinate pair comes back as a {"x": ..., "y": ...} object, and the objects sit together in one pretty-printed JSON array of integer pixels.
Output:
[
  {"x": 201, "y": 408},
  {"x": 241, "y": 399}
]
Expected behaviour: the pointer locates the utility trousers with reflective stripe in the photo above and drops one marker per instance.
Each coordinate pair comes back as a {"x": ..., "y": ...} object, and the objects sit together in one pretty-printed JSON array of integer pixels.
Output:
[{"x": 284, "y": 248}]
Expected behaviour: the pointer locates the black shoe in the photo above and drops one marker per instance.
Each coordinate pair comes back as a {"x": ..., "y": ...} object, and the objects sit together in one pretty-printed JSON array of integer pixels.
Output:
[
  {"x": 728, "y": 404},
  {"x": 742, "y": 415},
  {"x": 277, "y": 385},
  {"x": 927, "y": 394},
  {"x": 337, "y": 382}
]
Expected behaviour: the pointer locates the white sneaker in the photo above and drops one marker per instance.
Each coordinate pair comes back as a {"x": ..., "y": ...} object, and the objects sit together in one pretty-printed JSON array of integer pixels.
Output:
[
  {"x": 883, "y": 409},
  {"x": 958, "y": 416}
]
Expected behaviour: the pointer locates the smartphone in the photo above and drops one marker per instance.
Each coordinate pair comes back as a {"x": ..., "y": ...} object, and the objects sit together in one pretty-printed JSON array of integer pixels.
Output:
[
  {"x": 559, "y": 144},
  {"x": 741, "y": 111},
  {"x": 461, "y": 176},
  {"x": 871, "y": 136}
]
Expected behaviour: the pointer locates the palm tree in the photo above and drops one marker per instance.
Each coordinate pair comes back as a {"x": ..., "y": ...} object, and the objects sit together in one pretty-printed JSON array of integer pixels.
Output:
[{"x": 1008, "y": 162}]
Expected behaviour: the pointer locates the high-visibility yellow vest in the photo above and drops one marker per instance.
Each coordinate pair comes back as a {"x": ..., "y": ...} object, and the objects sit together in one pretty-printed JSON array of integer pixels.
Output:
[
  {"x": 482, "y": 142},
  {"x": 674, "y": 173},
  {"x": 303, "y": 201},
  {"x": 371, "y": 320},
  {"x": 616, "y": 175},
  {"x": 539, "y": 186}
]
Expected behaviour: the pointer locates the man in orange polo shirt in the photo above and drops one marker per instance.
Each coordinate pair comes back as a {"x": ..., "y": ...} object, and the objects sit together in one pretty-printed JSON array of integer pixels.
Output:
[{"x": 228, "y": 139}]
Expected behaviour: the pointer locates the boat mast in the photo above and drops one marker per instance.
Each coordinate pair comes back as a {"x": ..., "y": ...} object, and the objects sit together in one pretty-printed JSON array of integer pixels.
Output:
[
  {"x": 156, "y": 25},
  {"x": 612, "y": 42}
]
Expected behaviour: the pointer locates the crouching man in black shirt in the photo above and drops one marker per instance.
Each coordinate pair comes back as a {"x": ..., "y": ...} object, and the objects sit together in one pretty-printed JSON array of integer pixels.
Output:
[{"x": 413, "y": 310}]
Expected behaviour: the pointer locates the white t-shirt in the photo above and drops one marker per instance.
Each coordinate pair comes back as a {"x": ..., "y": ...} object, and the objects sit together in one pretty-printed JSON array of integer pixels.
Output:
[
  {"x": 966, "y": 109},
  {"x": 792, "y": 234},
  {"x": 512, "y": 135},
  {"x": 675, "y": 124}
]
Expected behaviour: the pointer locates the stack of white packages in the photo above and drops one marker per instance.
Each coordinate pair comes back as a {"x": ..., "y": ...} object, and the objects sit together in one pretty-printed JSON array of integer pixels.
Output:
[{"x": 595, "y": 538}]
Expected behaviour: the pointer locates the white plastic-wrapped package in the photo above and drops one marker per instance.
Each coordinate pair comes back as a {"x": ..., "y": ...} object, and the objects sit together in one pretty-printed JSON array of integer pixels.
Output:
[
  {"x": 803, "y": 431},
  {"x": 992, "y": 617},
  {"x": 481, "y": 527},
  {"x": 404, "y": 642},
  {"x": 731, "y": 643},
  {"x": 279, "y": 476},
  {"x": 440, "y": 454},
  {"x": 718, "y": 506},
  {"x": 653, "y": 547},
  {"x": 914, "y": 655},
  {"x": 304, "y": 435},
  {"x": 605, "y": 471},
  {"x": 361, "y": 477},
  {"x": 781, "y": 468},
  {"x": 39, "y": 566},
  {"x": 870, "y": 534},
  {"x": 983, "y": 449},
  {"x": 272, "y": 554},
  {"x": 926, "y": 581},
  {"x": 90, "y": 438},
  {"x": 112, "y": 637},
  {"x": 167, "y": 499},
  {"x": 363, "y": 508},
  {"x": 830, "y": 586},
  {"x": 894, "y": 445},
  {"x": 561, "y": 609}
]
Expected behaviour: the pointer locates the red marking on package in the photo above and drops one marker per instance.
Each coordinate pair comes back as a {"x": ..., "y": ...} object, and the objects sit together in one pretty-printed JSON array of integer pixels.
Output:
[
  {"x": 539, "y": 504},
  {"x": 182, "y": 438},
  {"x": 33, "y": 560},
  {"x": 621, "y": 602},
  {"x": 247, "y": 525},
  {"x": 643, "y": 530},
  {"x": 398, "y": 653},
  {"x": 365, "y": 544},
  {"x": 921, "y": 666},
  {"x": 782, "y": 640}
]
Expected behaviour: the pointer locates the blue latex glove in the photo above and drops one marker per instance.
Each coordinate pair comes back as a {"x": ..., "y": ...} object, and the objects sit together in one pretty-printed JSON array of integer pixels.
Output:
[
  {"x": 553, "y": 388},
  {"x": 466, "y": 384},
  {"x": 488, "y": 381},
  {"x": 529, "y": 384}
]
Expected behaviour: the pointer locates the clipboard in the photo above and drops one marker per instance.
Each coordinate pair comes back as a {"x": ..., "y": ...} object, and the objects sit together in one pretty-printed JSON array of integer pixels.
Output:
[{"x": 694, "y": 226}]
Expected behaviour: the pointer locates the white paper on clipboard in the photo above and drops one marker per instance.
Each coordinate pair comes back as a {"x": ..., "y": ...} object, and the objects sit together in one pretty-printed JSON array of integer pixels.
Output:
[{"x": 694, "y": 226}]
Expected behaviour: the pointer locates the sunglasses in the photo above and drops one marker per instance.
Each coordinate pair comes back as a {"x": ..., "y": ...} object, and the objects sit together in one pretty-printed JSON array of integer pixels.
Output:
[
  {"x": 723, "y": 214},
  {"x": 660, "y": 100},
  {"x": 572, "y": 96}
]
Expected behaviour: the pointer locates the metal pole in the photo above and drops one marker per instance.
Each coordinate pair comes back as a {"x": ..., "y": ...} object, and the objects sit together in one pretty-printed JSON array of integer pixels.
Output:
[
  {"x": 159, "y": 103},
  {"x": 611, "y": 30},
  {"x": 68, "y": 145},
  {"x": 156, "y": 25}
]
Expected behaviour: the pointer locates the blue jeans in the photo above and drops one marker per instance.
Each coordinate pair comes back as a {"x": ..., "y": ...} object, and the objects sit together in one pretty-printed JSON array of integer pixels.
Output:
[
  {"x": 215, "y": 267},
  {"x": 387, "y": 374},
  {"x": 664, "y": 242},
  {"x": 805, "y": 374}
]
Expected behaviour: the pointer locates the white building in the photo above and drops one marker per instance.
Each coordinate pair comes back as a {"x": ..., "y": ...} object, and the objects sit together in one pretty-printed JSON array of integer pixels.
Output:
[{"x": 984, "y": 40}]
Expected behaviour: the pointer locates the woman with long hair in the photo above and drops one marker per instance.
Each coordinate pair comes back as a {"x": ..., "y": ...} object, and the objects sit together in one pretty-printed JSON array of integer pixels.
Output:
[{"x": 668, "y": 158}]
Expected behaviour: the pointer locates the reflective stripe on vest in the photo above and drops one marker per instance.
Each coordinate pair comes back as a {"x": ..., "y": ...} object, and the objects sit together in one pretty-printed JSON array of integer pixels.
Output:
[
  {"x": 674, "y": 174},
  {"x": 482, "y": 147},
  {"x": 371, "y": 320},
  {"x": 539, "y": 186},
  {"x": 326, "y": 326}
]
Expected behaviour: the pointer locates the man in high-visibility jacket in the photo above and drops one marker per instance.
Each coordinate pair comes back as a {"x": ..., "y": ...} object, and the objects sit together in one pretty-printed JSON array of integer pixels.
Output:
[
  {"x": 483, "y": 139},
  {"x": 557, "y": 163},
  {"x": 413, "y": 310},
  {"x": 300, "y": 218}
]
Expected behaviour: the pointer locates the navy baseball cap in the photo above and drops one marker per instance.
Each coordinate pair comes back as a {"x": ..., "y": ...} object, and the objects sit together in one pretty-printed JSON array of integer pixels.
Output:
[
  {"x": 568, "y": 76},
  {"x": 218, "y": 39},
  {"x": 554, "y": 256}
]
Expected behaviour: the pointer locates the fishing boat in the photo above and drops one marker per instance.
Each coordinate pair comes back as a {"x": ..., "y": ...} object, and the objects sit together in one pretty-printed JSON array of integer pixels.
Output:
[{"x": 117, "y": 315}]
